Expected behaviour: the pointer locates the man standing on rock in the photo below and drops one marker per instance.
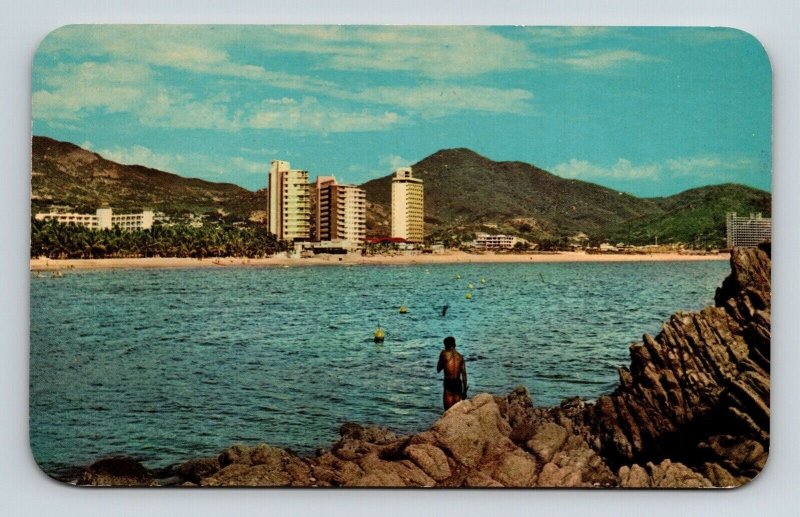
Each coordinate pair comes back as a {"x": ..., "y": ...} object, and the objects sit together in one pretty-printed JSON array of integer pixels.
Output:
[{"x": 455, "y": 373}]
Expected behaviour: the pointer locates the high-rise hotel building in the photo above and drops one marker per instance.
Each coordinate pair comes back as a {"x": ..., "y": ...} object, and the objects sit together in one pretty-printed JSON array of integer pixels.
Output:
[
  {"x": 407, "y": 206},
  {"x": 340, "y": 211},
  {"x": 289, "y": 211}
]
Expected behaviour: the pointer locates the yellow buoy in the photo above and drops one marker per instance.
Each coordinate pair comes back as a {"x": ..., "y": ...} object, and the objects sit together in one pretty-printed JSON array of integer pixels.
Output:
[
  {"x": 379, "y": 335},
  {"x": 403, "y": 309},
  {"x": 469, "y": 296},
  {"x": 458, "y": 276},
  {"x": 483, "y": 280},
  {"x": 470, "y": 286}
]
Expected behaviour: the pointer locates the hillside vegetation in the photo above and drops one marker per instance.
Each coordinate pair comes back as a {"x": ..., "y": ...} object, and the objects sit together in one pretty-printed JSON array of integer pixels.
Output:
[
  {"x": 65, "y": 175},
  {"x": 695, "y": 217},
  {"x": 464, "y": 193}
]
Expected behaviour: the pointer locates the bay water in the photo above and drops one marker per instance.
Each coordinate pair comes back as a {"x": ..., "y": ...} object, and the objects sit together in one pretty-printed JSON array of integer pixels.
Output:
[{"x": 170, "y": 364}]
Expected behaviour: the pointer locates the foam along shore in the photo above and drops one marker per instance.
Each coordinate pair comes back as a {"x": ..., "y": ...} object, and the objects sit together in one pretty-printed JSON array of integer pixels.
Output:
[{"x": 454, "y": 257}]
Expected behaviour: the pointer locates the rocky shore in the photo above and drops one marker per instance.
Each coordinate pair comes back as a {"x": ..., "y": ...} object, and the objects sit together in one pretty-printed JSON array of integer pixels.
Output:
[{"x": 692, "y": 410}]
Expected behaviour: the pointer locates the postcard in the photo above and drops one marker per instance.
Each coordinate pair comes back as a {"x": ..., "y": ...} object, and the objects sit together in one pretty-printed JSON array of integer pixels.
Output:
[{"x": 400, "y": 256}]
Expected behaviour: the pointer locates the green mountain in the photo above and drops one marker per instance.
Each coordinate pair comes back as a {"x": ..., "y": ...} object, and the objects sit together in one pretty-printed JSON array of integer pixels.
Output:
[
  {"x": 464, "y": 193},
  {"x": 67, "y": 176},
  {"x": 467, "y": 192}
]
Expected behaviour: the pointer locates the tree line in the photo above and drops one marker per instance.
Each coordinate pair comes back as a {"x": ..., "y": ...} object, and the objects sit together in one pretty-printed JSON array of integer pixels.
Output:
[{"x": 55, "y": 240}]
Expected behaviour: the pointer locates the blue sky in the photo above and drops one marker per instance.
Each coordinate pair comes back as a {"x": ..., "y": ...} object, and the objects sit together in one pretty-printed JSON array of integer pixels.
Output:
[{"x": 649, "y": 111}]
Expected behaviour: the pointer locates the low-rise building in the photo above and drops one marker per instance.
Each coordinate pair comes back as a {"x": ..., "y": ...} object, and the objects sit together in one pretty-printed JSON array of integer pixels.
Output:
[
  {"x": 102, "y": 219},
  {"x": 333, "y": 247},
  {"x": 495, "y": 242}
]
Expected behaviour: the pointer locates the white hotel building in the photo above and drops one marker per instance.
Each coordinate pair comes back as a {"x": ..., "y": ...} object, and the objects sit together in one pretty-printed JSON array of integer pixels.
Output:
[
  {"x": 102, "y": 219},
  {"x": 408, "y": 206},
  {"x": 340, "y": 211},
  {"x": 747, "y": 232},
  {"x": 289, "y": 211}
]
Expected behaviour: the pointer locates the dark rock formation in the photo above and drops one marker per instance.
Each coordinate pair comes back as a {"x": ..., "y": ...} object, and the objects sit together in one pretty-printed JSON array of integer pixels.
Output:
[
  {"x": 699, "y": 390},
  {"x": 194, "y": 470},
  {"x": 116, "y": 471},
  {"x": 691, "y": 411}
]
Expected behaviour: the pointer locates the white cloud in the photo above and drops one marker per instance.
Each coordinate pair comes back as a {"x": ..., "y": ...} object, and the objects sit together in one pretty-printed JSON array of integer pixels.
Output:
[
  {"x": 140, "y": 155},
  {"x": 429, "y": 51},
  {"x": 265, "y": 151},
  {"x": 393, "y": 161},
  {"x": 566, "y": 35},
  {"x": 182, "y": 110},
  {"x": 126, "y": 72},
  {"x": 69, "y": 89},
  {"x": 310, "y": 115},
  {"x": 623, "y": 169},
  {"x": 433, "y": 52},
  {"x": 440, "y": 99},
  {"x": 702, "y": 35},
  {"x": 196, "y": 165},
  {"x": 603, "y": 59},
  {"x": 244, "y": 165},
  {"x": 197, "y": 49},
  {"x": 703, "y": 166},
  {"x": 708, "y": 165}
]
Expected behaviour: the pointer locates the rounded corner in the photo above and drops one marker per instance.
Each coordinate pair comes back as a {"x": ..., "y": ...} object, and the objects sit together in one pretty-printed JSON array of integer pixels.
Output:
[
  {"x": 749, "y": 481},
  {"x": 50, "y": 34},
  {"x": 48, "y": 475},
  {"x": 753, "y": 40}
]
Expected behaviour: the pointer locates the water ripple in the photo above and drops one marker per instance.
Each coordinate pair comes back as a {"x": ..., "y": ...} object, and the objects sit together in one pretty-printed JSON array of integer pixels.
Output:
[{"x": 171, "y": 364}]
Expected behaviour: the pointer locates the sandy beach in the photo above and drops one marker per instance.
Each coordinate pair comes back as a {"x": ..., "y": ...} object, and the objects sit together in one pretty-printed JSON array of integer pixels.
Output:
[{"x": 455, "y": 257}]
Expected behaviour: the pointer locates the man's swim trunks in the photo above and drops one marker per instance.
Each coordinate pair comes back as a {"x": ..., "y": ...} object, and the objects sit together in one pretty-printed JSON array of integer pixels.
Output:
[{"x": 453, "y": 385}]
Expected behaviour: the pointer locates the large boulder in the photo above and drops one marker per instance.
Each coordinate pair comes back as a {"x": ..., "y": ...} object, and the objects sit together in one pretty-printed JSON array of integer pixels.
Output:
[
  {"x": 370, "y": 433},
  {"x": 516, "y": 468},
  {"x": 634, "y": 476},
  {"x": 675, "y": 475},
  {"x": 664, "y": 475},
  {"x": 240, "y": 475},
  {"x": 431, "y": 459},
  {"x": 472, "y": 430},
  {"x": 720, "y": 477},
  {"x": 195, "y": 470},
  {"x": 116, "y": 471},
  {"x": 261, "y": 465},
  {"x": 236, "y": 454},
  {"x": 358, "y": 441},
  {"x": 576, "y": 465},
  {"x": 553, "y": 476},
  {"x": 381, "y": 473},
  {"x": 517, "y": 408},
  {"x": 478, "y": 479},
  {"x": 743, "y": 457},
  {"x": 547, "y": 440}
]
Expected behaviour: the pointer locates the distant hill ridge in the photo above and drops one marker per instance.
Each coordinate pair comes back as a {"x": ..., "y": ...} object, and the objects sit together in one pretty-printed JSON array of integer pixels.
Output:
[
  {"x": 464, "y": 192},
  {"x": 64, "y": 174}
]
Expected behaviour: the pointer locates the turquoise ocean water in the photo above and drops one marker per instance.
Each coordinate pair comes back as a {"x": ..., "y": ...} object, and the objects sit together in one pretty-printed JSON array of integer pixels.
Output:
[{"x": 167, "y": 365}]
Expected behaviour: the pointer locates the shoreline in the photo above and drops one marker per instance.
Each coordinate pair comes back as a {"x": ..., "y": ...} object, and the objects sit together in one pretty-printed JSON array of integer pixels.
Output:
[{"x": 456, "y": 257}]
